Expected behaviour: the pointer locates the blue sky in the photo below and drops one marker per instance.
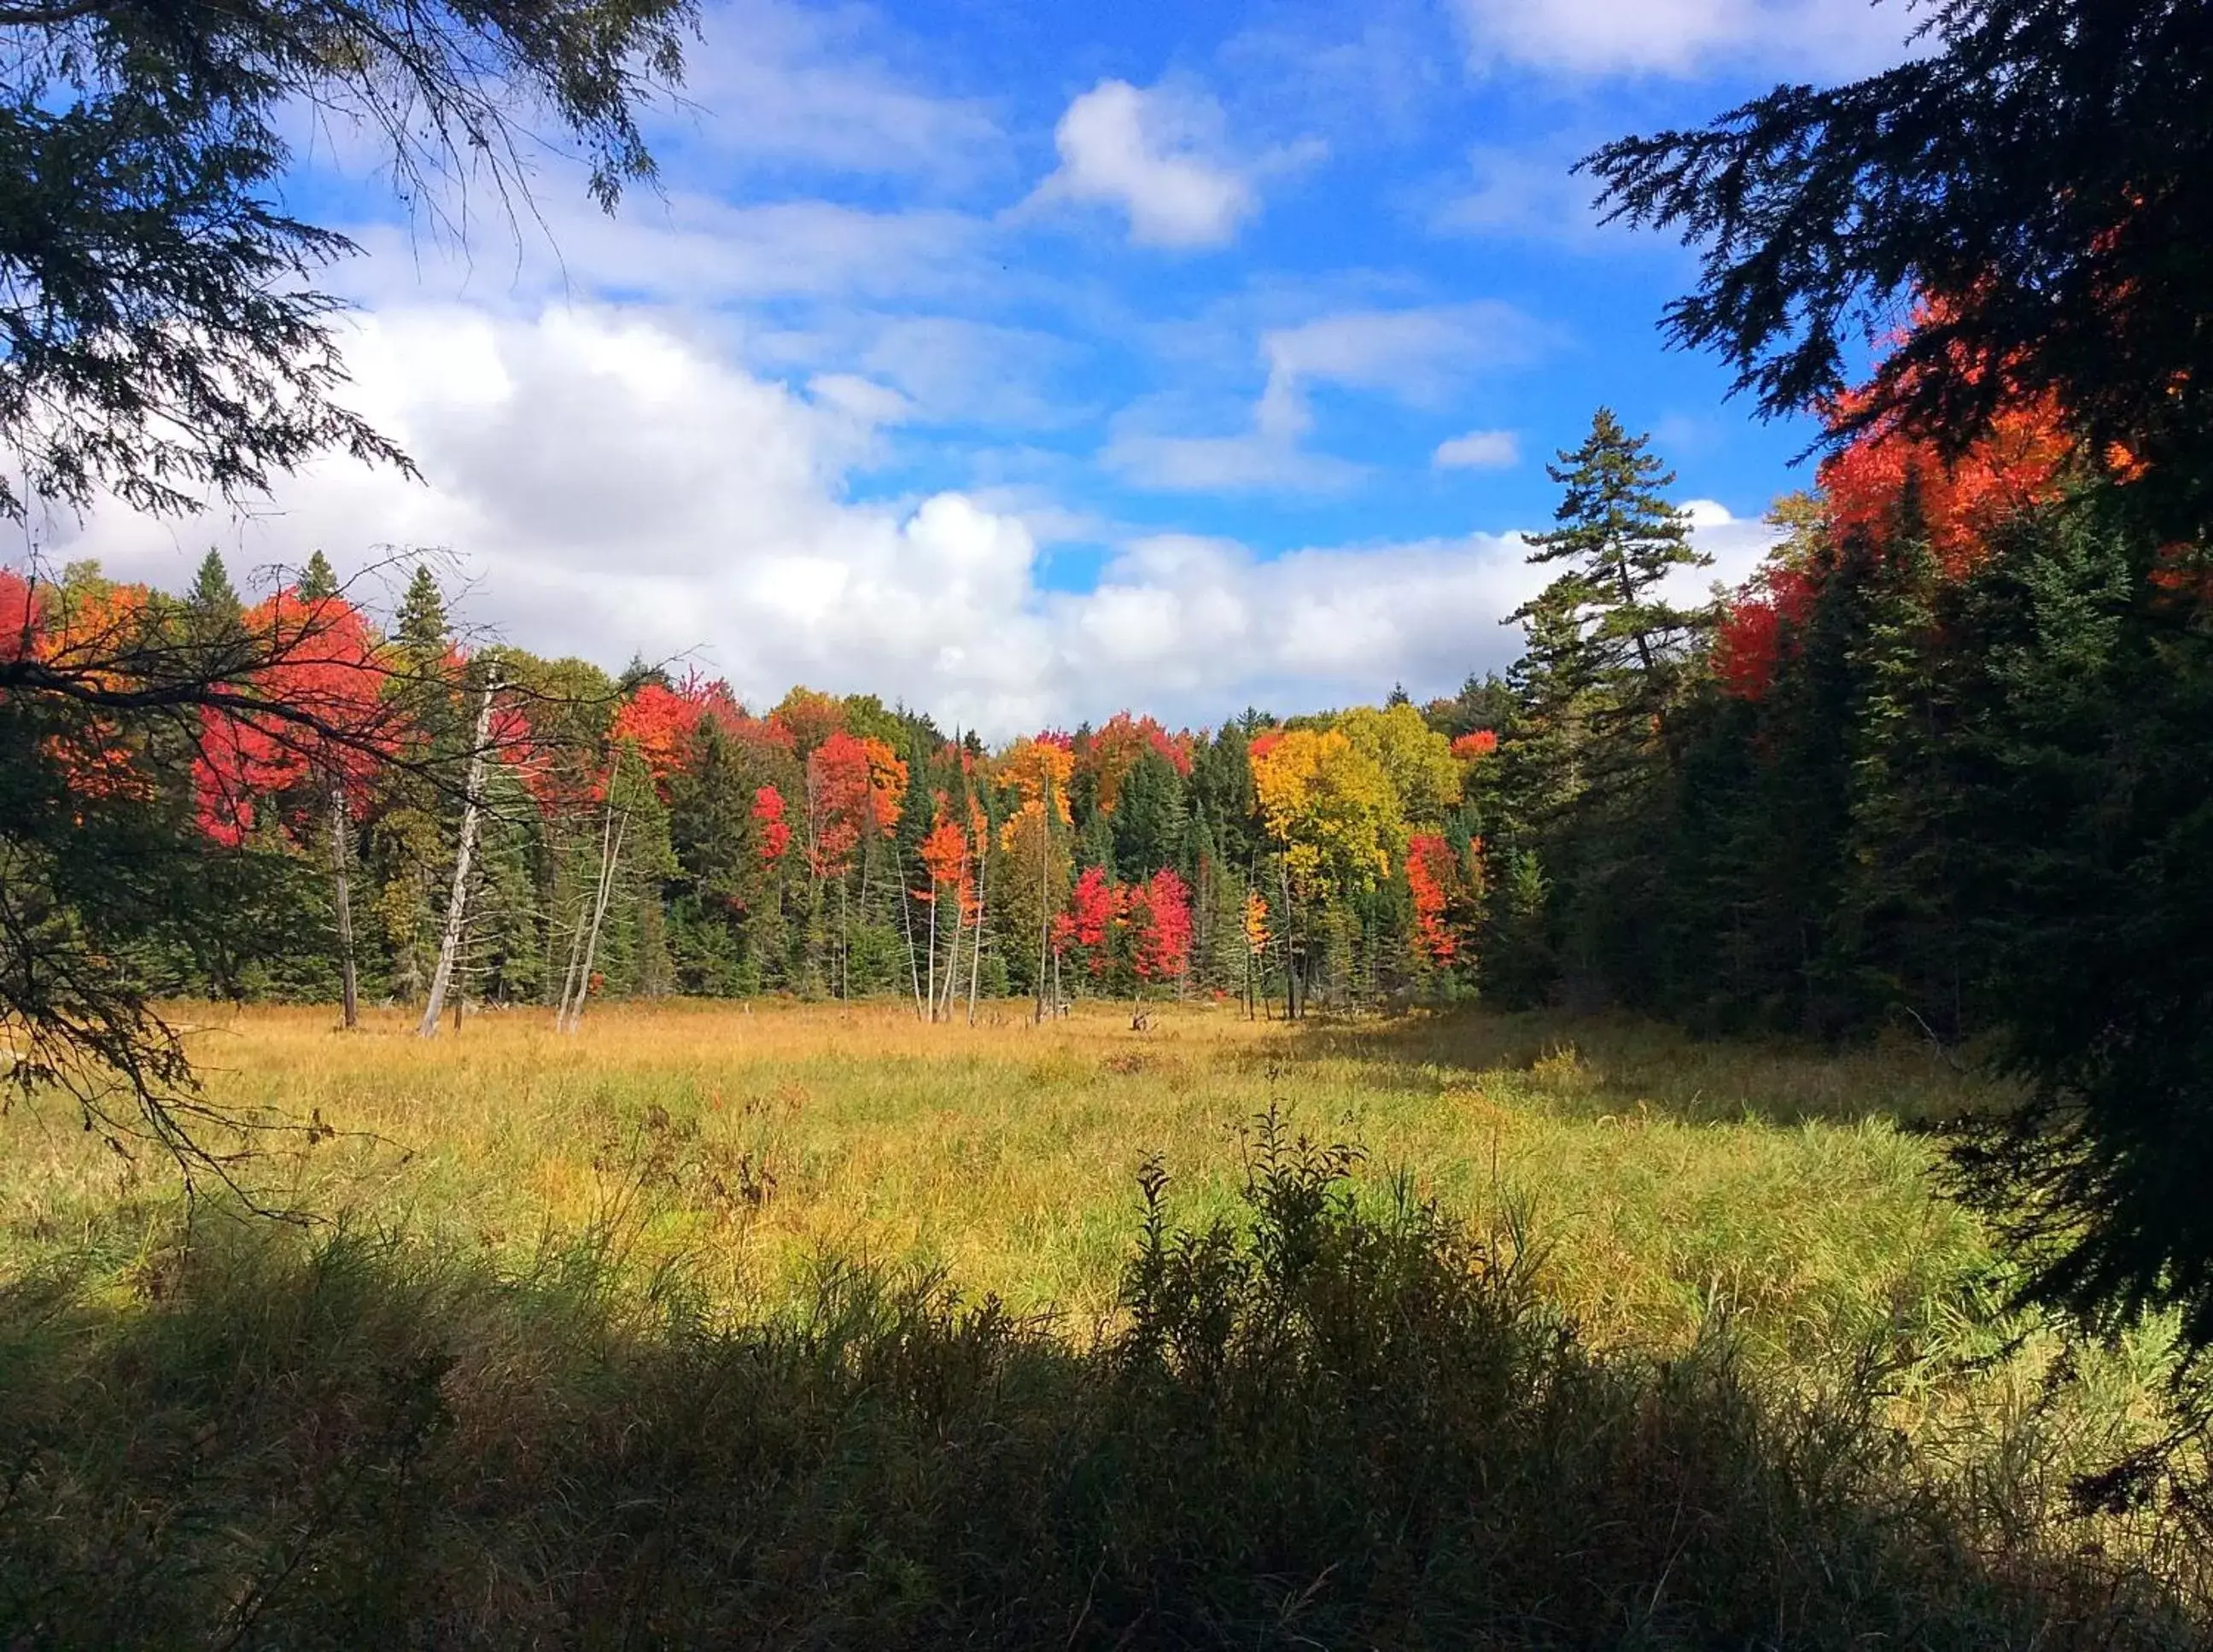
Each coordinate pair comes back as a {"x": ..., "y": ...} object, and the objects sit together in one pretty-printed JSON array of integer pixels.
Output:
[{"x": 1024, "y": 362}]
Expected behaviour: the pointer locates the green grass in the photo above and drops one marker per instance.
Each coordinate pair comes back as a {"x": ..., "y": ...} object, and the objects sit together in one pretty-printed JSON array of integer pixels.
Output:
[{"x": 811, "y": 1325}]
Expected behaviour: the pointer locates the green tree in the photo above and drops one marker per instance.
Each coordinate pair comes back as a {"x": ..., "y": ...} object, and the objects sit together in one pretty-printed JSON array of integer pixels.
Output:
[
  {"x": 317, "y": 580},
  {"x": 1149, "y": 820},
  {"x": 2042, "y": 170},
  {"x": 1591, "y": 766},
  {"x": 164, "y": 335},
  {"x": 1618, "y": 541},
  {"x": 211, "y": 602}
]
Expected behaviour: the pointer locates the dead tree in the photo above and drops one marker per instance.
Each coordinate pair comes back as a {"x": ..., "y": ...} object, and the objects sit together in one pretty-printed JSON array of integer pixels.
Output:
[{"x": 457, "y": 904}]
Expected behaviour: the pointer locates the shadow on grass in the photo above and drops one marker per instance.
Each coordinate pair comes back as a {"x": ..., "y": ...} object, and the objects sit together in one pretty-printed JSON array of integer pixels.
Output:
[
  {"x": 1614, "y": 1063},
  {"x": 1337, "y": 1422}
]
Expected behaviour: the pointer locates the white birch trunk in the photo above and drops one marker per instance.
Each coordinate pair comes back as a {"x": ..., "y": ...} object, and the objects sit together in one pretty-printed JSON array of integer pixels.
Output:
[
  {"x": 457, "y": 904},
  {"x": 341, "y": 853},
  {"x": 584, "y": 904},
  {"x": 976, "y": 953},
  {"x": 608, "y": 864},
  {"x": 933, "y": 946}
]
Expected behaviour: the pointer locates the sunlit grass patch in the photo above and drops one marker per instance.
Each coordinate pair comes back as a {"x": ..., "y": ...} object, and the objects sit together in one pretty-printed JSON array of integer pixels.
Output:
[{"x": 719, "y": 1162}]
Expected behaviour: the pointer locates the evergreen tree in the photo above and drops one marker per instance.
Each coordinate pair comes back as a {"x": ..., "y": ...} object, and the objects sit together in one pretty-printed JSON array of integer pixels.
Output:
[
  {"x": 1220, "y": 788},
  {"x": 317, "y": 580},
  {"x": 408, "y": 855},
  {"x": 211, "y": 600},
  {"x": 720, "y": 879},
  {"x": 505, "y": 962},
  {"x": 420, "y": 626},
  {"x": 1618, "y": 541},
  {"x": 1095, "y": 838},
  {"x": 1147, "y": 824},
  {"x": 2038, "y": 168}
]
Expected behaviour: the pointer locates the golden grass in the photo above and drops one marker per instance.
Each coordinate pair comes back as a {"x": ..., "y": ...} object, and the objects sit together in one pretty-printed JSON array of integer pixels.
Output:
[
  {"x": 1670, "y": 1180},
  {"x": 1677, "y": 1189}
]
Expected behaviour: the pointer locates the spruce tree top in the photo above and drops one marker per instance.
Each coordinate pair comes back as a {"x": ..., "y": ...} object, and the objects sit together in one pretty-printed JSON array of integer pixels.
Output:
[
  {"x": 420, "y": 625},
  {"x": 1615, "y": 503},
  {"x": 212, "y": 596},
  {"x": 317, "y": 581}
]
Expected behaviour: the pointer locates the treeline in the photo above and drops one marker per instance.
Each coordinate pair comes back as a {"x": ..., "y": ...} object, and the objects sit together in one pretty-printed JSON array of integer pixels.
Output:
[
  {"x": 1928, "y": 752},
  {"x": 647, "y": 834}
]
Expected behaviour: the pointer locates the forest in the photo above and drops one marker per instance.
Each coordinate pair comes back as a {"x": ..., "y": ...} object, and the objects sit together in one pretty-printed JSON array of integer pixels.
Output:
[{"x": 1757, "y": 811}]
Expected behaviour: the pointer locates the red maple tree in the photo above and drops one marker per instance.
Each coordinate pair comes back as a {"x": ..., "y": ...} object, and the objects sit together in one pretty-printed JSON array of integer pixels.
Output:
[
  {"x": 324, "y": 715},
  {"x": 775, "y": 830},
  {"x": 1095, "y": 908},
  {"x": 1160, "y": 911}
]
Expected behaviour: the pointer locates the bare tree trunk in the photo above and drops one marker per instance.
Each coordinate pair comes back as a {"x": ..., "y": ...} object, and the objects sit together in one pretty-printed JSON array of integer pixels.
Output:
[
  {"x": 341, "y": 853},
  {"x": 584, "y": 905},
  {"x": 457, "y": 902},
  {"x": 933, "y": 949},
  {"x": 952, "y": 960},
  {"x": 1045, "y": 881},
  {"x": 609, "y": 859},
  {"x": 976, "y": 953},
  {"x": 906, "y": 919}
]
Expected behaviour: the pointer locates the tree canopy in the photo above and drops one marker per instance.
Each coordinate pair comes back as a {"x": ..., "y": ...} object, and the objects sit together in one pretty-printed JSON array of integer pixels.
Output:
[
  {"x": 2039, "y": 180},
  {"x": 161, "y": 332}
]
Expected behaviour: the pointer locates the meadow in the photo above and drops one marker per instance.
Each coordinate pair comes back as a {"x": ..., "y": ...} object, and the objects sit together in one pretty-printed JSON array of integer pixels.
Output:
[{"x": 939, "y": 1294}]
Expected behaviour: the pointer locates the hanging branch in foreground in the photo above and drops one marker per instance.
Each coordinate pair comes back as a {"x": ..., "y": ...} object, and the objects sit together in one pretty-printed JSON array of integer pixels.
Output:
[{"x": 144, "y": 756}]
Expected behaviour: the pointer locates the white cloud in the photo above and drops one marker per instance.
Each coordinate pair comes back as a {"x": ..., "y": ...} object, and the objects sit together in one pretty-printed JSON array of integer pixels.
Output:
[
  {"x": 1416, "y": 355},
  {"x": 1159, "y": 155},
  {"x": 1735, "y": 543},
  {"x": 796, "y": 87},
  {"x": 609, "y": 486},
  {"x": 1533, "y": 193},
  {"x": 1805, "y": 37},
  {"x": 1256, "y": 461},
  {"x": 1482, "y": 450},
  {"x": 685, "y": 248}
]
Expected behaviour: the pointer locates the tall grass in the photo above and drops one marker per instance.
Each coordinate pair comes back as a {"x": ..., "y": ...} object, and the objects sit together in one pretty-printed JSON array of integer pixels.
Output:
[
  {"x": 813, "y": 1327},
  {"x": 1327, "y": 1420}
]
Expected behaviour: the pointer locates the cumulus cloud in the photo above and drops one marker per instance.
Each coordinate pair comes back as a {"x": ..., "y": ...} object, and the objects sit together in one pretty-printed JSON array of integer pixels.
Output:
[
  {"x": 609, "y": 486},
  {"x": 1685, "y": 37},
  {"x": 1479, "y": 450},
  {"x": 1735, "y": 543},
  {"x": 1157, "y": 154}
]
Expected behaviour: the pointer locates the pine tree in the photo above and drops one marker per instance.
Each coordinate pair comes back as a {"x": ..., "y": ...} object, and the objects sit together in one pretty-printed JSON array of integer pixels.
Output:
[
  {"x": 1619, "y": 539},
  {"x": 421, "y": 627},
  {"x": 1591, "y": 765},
  {"x": 410, "y": 840},
  {"x": 506, "y": 958},
  {"x": 715, "y": 837},
  {"x": 212, "y": 599},
  {"x": 1147, "y": 824},
  {"x": 317, "y": 580}
]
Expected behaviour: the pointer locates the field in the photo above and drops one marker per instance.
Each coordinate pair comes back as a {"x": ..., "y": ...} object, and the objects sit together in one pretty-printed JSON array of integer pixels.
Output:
[{"x": 1762, "y": 1225}]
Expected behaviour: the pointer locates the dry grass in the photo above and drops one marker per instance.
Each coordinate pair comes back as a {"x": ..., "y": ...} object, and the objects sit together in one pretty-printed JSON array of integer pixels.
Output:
[
  {"x": 1669, "y": 1179},
  {"x": 1762, "y": 1202}
]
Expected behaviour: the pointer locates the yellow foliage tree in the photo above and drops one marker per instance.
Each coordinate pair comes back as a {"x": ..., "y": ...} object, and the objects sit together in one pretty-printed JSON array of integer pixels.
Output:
[
  {"x": 1034, "y": 770},
  {"x": 1417, "y": 759},
  {"x": 1331, "y": 808}
]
